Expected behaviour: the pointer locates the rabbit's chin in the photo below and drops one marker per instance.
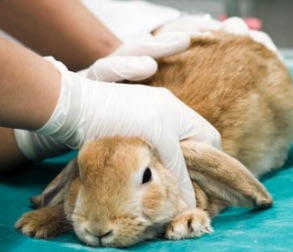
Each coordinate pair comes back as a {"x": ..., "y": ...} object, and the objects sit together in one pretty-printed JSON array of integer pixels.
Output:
[{"x": 125, "y": 235}]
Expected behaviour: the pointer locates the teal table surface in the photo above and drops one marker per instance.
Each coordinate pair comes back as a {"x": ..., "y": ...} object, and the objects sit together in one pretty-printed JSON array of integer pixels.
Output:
[{"x": 235, "y": 229}]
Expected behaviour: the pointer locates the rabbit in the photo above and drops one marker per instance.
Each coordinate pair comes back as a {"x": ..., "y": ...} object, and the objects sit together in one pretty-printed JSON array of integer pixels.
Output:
[
  {"x": 117, "y": 193},
  {"x": 243, "y": 89}
]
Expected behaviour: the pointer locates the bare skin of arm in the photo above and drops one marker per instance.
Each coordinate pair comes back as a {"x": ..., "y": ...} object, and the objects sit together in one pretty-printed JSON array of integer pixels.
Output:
[
  {"x": 11, "y": 157},
  {"x": 28, "y": 97},
  {"x": 64, "y": 29}
]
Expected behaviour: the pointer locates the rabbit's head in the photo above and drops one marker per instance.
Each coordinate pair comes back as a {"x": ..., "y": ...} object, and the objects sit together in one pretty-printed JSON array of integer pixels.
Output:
[
  {"x": 123, "y": 194},
  {"x": 117, "y": 192}
]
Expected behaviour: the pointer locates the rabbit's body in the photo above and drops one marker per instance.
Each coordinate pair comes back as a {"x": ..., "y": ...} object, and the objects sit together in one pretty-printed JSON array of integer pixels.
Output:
[
  {"x": 242, "y": 89},
  {"x": 117, "y": 192}
]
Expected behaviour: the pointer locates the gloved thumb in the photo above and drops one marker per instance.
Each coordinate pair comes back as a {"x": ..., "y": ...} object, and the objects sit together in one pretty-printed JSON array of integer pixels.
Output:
[
  {"x": 172, "y": 157},
  {"x": 118, "y": 68}
]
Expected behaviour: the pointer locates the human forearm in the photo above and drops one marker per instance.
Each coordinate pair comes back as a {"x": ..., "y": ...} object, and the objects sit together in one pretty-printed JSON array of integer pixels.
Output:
[
  {"x": 10, "y": 155},
  {"x": 64, "y": 29},
  {"x": 29, "y": 87}
]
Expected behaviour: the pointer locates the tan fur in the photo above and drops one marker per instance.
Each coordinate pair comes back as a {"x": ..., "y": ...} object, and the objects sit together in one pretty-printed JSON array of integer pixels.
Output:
[
  {"x": 196, "y": 221},
  {"x": 220, "y": 180},
  {"x": 105, "y": 199},
  {"x": 44, "y": 222},
  {"x": 241, "y": 88}
]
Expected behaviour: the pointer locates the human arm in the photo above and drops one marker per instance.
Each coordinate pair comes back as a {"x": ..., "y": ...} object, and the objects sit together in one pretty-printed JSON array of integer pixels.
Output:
[
  {"x": 64, "y": 29},
  {"x": 78, "y": 109},
  {"x": 88, "y": 110},
  {"x": 27, "y": 97},
  {"x": 29, "y": 87}
]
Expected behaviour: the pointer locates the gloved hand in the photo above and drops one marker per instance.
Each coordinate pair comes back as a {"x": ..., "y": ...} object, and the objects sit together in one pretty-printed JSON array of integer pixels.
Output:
[
  {"x": 194, "y": 25},
  {"x": 134, "y": 61},
  {"x": 90, "y": 109},
  {"x": 203, "y": 25}
]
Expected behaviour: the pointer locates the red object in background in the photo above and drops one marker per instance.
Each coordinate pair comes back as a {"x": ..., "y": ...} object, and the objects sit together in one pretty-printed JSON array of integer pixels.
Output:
[{"x": 252, "y": 22}]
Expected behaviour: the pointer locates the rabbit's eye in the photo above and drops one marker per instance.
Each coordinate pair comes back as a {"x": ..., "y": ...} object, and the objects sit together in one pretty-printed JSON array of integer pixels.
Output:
[{"x": 147, "y": 175}]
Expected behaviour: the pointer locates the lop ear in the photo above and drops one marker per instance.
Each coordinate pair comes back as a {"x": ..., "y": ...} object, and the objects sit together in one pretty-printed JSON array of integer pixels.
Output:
[
  {"x": 54, "y": 192},
  {"x": 222, "y": 179}
]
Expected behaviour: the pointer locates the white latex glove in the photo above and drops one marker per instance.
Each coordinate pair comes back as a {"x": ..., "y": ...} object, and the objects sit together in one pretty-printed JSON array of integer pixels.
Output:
[
  {"x": 135, "y": 60},
  {"x": 194, "y": 25},
  {"x": 236, "y": 25},
  {"x": 90, "y": 109},
  {"x": 203, "y": 25}
]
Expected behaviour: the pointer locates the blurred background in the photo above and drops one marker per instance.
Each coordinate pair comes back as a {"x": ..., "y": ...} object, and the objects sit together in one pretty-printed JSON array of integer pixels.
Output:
[{"x": 273, "y": 16}]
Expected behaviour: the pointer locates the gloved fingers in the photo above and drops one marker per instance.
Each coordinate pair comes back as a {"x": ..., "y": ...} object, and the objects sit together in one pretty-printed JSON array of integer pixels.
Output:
[
  {"x": 162, "y": 45},
  {"x": 235, "y": 25},
  {"x": 118, "y": 68},
  {"x": 263, "y": 38},
  {"x": 194, "y": 25},
  {"x": 199, "y": 129},
  {"x": 194, "y": 126},
  {"x": 172, "y": 157},
  {"x": 208, "y": 136}
]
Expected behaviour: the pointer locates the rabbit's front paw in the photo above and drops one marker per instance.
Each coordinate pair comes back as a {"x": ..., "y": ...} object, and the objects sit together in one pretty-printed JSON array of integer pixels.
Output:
[
  {"x": 190, "y": 223},
  {"x": 42, "y": 223}
]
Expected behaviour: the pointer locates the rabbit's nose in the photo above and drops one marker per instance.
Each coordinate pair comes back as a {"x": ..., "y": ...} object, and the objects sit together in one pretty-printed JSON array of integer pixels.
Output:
[
  {"x": 105, "y": 234},
  {"x": 99, "y": 233},
  {"x": 101, "y": 237}
]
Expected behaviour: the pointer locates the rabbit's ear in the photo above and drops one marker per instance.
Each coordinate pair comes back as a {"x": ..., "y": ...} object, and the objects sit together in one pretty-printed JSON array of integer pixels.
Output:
[
  {"x": 223, "y": 178},
  {"x": 54, "y": 192}
]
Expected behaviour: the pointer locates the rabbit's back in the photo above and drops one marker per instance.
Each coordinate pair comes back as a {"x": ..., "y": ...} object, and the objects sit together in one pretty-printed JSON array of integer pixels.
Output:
[{"x": 241, "y": 88}]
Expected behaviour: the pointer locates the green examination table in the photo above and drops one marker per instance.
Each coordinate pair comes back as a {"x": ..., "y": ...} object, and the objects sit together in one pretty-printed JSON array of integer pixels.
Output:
[{"x": 235, "y": 229}]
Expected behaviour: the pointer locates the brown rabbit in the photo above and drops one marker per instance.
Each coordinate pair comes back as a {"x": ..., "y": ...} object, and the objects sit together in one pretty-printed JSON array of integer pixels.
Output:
[
  {"x": 242, "y": 89},
  {"x": 117, "y": 192}
]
